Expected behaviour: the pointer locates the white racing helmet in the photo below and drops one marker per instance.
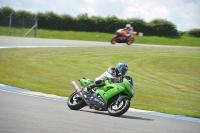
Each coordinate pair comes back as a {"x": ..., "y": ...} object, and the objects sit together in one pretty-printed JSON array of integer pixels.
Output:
[{"x": 128, "y": 26}]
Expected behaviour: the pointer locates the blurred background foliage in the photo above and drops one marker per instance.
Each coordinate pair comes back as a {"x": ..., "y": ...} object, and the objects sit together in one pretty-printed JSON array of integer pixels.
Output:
[{"x": 66, "y": 22}]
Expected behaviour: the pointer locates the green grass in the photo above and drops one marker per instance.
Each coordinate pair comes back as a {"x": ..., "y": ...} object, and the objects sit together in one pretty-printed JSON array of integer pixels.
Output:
[
  {"x": 102, "y": 37},
  {"x": 166, "y": 79}
]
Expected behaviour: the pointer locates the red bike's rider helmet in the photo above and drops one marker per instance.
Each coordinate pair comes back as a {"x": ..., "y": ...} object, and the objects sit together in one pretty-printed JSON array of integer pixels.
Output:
[
  {"x": 121, "y": 68},
  {"x": 128, "y": 26}
]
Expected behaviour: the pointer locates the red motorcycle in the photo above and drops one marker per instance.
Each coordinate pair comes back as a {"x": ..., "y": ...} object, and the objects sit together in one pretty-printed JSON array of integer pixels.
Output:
[{"x": 121, "y": 38}]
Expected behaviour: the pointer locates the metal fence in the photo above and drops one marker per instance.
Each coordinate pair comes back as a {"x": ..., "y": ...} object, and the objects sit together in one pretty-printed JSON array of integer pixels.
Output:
[{"x": 18, "y": 26}]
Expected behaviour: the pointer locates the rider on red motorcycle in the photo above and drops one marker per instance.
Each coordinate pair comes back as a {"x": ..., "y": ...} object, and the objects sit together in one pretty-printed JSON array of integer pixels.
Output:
[
  {"x": 129, "y": 30},
  {"x": 124, "y": 35}
]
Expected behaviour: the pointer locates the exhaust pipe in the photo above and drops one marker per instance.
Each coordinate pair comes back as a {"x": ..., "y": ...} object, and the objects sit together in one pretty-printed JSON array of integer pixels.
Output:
[
  {"x": 78, "y": 90},
  {"x": 76, "y": 86}
]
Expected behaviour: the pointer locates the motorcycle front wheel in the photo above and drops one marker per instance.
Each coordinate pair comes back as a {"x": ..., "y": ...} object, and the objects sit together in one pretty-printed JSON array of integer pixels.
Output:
[
  {"x": 118, "y": 109},
  {"x": 129, "y": 42},
  {"x": 75, "y": 102}
]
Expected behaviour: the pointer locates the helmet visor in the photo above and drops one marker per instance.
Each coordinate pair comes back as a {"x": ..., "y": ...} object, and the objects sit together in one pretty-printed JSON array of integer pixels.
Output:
[{"x": 124, "y": 70}]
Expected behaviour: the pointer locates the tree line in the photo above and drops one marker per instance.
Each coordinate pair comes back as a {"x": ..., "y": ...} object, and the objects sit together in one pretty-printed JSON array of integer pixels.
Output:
[{"x": 50, "y": 20}]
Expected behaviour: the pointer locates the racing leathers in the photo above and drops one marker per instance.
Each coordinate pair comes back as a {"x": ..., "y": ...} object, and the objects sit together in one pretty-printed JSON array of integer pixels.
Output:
[
  {"x": 111, "y": 74},
  {"x": 129, "y": 31}
]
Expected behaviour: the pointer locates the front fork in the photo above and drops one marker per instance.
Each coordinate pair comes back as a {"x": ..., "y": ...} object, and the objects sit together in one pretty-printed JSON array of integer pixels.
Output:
[{"x": 120, "y": 98}]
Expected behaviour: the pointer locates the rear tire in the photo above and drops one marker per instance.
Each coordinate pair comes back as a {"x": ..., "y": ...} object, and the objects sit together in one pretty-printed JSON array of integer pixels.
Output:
[
  {"x": 75, "y": 102},
  {"x": 114, "y": 40},
  {"x": 120, "y": 109}
]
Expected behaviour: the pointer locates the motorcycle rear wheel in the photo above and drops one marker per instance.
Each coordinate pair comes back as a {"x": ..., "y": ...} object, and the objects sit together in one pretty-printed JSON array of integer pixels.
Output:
[
  {"x": 113, "y": 41},
  {"x": 120, "y": 109},
  {"x": 75, "y": 102}
]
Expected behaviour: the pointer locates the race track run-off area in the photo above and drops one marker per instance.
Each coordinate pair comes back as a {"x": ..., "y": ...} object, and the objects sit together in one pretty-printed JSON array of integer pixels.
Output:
[{"x": 26, "y": 111}]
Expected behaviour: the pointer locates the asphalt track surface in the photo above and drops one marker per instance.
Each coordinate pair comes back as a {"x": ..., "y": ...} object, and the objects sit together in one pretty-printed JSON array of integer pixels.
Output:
[
  {"x": 18, "y": 42},
  {"x": 28, "y": 114},
  {"x": 20, "y": 113}
]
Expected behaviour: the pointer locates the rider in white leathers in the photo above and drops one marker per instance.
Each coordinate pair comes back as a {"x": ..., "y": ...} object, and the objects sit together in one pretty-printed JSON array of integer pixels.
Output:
[
  {"x": 129, "y": 30},
  {"x": 112, "y": 74}
]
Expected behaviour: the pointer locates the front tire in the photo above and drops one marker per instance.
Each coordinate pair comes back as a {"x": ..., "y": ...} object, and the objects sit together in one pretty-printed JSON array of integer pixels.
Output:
[
  {"x": 130, "y": 41},
  {"x": 118, "y": 109},
  {"x": 75, "y": 102}
]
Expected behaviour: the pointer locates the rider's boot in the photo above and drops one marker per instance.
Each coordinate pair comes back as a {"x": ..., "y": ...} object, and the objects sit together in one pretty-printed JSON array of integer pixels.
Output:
[{"x": 87, "y": 89}]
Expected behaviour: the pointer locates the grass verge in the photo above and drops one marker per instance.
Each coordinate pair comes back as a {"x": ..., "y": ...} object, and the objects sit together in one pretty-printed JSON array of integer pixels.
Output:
[{"x": 166, "y": 79}]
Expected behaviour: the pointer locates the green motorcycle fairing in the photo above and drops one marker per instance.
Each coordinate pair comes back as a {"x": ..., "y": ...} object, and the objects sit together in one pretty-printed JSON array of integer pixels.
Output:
[
  {"x": 85, "y": 82},
  {"x": 110, "y": 89}
]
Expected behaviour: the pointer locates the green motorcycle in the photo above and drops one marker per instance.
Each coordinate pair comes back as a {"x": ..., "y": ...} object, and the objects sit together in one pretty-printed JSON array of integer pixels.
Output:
[{"x": 112, "y": 97}]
